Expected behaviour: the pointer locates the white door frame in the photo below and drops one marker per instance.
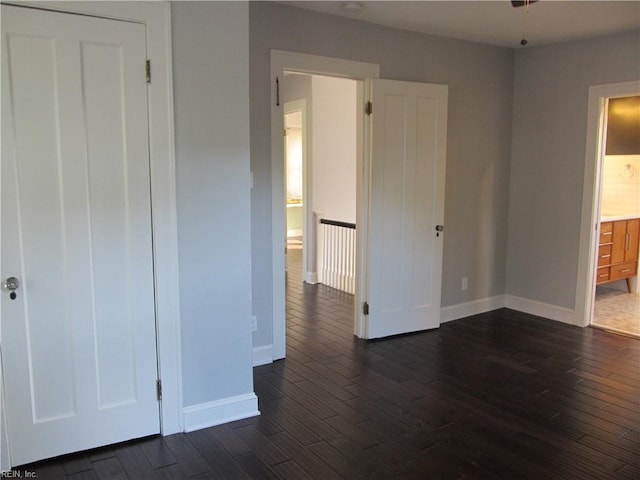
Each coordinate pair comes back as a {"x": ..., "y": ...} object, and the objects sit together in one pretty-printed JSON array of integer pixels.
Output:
[
  {"x": 308, "y": 244},
  {"x": 585, "y": 282},
  {"x": 282, "y": 61},
  {"x": 156, "y": 16}
]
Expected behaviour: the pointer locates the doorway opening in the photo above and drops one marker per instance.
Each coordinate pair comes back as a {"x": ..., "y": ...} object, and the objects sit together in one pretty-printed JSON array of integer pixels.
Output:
[
  {"x": 400, "y": 173},
  {"x": 295, "y": 167},
  {"x": 285, "y": 64},
  {"x": 294, "y": 151},
  {"x": 617, "y": 294},
  {"x": 598, "y": 98},
  {"x": 320, "y": 130}
]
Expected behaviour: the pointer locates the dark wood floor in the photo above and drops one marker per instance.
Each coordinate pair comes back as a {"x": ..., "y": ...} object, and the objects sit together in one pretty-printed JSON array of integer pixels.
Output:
[{"x": 499, "y": 395}]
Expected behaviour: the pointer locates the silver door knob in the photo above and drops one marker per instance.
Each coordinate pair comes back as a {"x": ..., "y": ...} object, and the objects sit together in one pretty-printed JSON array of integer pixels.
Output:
[
  {"x": 439, "y": 228},
  {"x": 11, "y": 284}
]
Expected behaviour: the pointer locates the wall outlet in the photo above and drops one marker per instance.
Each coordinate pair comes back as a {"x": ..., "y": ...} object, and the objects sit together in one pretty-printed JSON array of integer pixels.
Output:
[
  {"x": 254, "y": 323},
  {"x": 465, "y": 283}
]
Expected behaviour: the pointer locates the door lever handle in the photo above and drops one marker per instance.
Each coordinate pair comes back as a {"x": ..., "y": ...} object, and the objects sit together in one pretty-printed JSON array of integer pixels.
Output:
[{"x": 11, "y": 284}]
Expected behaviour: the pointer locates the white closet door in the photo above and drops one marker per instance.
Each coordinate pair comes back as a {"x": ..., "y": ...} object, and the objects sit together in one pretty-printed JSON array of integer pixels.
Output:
[{"x": 78, "y": 340}]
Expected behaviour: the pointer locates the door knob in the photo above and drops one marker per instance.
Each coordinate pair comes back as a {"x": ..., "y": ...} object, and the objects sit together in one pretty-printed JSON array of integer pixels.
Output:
[
  {"x": 439, "y": 228},
  {"x": 11, "y": 284}
]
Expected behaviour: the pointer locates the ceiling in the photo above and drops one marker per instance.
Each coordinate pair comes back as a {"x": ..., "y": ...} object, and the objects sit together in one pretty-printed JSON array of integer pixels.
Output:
[{"x": 494, "y": 22}]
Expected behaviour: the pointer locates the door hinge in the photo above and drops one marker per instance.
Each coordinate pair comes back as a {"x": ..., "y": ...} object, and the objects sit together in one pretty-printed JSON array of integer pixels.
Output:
[
  {"x": 365, "y": 308},
  {"x": 159, "y": 389},
  {"x": 277, "y": 92},
  {"x": 147, "y": 68},
  {"x": 368, "y": 109}
]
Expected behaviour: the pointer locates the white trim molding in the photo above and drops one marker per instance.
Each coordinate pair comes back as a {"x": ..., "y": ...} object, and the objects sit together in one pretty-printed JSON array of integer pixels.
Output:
[
  {"x": 585, "y": 278},
  {"x": 156, "y": 16},
  {"x": 262, "y": 355},
  {"x": 282, "y": 61},
  {"x": 5, "y": 461},
  {"x": 221, "y": 411},
  {"x": 308, "y": 245},
  {"x": 311, "y": 277},
  {"x": 475, "y": 307},
  {"x": 520, "y": 304},
  {"x": 545, "y": 310}
]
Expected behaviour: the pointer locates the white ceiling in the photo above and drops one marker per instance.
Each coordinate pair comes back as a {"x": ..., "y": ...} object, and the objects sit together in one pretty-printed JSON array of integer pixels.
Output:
[{"x": 494, "y": 22}]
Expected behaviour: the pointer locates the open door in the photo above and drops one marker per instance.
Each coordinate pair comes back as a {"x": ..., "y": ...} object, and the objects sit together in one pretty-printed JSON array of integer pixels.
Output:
[{"x": 403, "y": 261}]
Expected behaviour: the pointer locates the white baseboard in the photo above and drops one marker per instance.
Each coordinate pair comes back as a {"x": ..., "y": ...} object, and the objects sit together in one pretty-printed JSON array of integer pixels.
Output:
[
  {"x": 311, "y": 277},
  {"x": 218, "y": 412},
  {"x": 262, "y": 355},
  {"x": 294, "y": 233},
  {"x": 532, "y": 307},
  {"x": 462, "y": 310},
  {"x": 5, "y": 461}
]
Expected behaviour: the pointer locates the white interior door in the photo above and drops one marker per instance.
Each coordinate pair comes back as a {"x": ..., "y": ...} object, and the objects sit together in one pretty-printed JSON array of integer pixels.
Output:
[
  {"x": 78, "y": 339},
  {"x": 408, "y": 133}
]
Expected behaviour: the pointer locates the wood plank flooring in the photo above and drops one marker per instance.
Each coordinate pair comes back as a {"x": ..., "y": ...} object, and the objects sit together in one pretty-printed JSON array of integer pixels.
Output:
[{"x": 502, "y": 395}]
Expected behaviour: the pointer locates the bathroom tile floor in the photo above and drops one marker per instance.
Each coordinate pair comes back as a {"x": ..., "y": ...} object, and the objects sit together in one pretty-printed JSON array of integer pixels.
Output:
[{"x": 617, "y": 311}]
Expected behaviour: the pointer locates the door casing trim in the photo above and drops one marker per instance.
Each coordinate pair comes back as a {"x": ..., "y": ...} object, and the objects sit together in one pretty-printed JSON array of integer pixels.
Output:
[
  {"x": 156, "y": 16},
  {"x": 282, "y": 61},
  {"x": 308, "y": 240},
  {"x": 585, "y": 281}
]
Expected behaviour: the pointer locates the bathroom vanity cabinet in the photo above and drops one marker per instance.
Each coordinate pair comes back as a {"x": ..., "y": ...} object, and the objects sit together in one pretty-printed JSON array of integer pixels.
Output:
[{"x": 618, "y": 250}]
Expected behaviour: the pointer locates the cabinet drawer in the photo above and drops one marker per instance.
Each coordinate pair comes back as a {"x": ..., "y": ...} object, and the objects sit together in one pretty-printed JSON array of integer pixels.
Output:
[
  {"x": 604, "y": 255},
  {"x": 623, "y": 270},
  {"x": 606, "y": 232},
  {"x": 602, "y": 275}
]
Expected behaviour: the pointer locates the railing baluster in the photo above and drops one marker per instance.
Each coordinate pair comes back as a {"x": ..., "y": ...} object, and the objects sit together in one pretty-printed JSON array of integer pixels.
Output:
[{"x": 336, "y": 254}]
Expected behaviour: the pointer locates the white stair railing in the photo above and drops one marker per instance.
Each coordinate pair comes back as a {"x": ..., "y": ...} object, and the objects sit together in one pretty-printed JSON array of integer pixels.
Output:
[{"x": 337, "y": 254}]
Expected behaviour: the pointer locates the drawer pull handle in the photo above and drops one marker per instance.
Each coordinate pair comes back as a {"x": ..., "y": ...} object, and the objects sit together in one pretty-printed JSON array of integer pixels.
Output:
[
  {"x": 627, "y": 237},
  {"x": 603, "y": 275},
  {"x": 625, "y": 270},
  {"x": 605, "y": 256},
  {"x": 607, "y": 233}
]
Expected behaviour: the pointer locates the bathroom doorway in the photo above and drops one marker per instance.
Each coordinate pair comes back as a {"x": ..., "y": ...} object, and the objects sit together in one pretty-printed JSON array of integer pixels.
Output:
[
  {"x": 617, "y": 290},
  {"x": 295, "y": 159}
]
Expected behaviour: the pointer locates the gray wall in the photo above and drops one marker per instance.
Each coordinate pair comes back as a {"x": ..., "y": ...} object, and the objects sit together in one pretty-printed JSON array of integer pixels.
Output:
[
  {"x": 211, "y": 96},
  {"x": 480, "y": 80},
  {"x": 548, "y": 155}
]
